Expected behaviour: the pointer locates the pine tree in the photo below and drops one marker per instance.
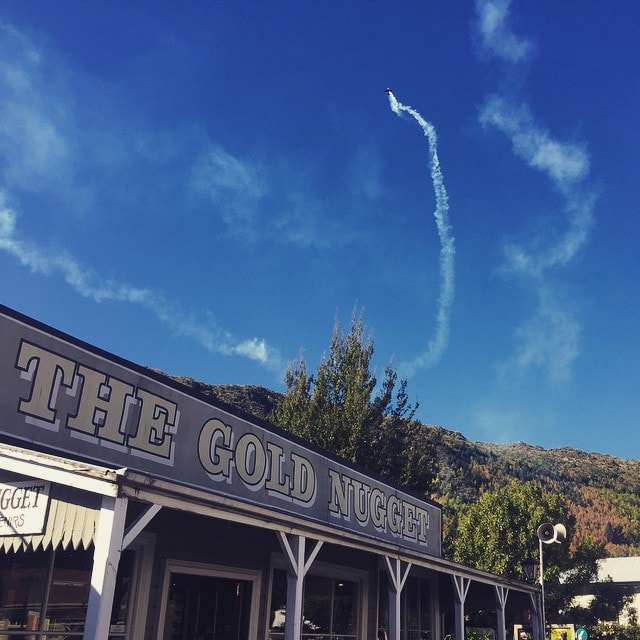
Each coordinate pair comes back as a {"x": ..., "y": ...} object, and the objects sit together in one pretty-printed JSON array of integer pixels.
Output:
[{"x": 343, "y": 409}]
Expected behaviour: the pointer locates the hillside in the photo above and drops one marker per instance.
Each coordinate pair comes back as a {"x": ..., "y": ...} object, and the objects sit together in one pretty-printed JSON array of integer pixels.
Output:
[{"x": 603, "y": 492}]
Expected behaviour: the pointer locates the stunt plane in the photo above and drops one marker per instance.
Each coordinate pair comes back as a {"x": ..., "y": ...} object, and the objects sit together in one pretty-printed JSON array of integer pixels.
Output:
[{"x": 388, "y": 91}]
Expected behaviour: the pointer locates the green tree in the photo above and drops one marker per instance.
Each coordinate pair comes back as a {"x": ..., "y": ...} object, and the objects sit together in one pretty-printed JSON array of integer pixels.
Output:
[
  {"x": 498, "y": 532},
  {"x": 582, "y": 572},
  {"x": 609, "y": 600},
  {"x": 342, "y": 409},
  {"x": 584, "y": 564},
  {"x": 403, "y": 452}
]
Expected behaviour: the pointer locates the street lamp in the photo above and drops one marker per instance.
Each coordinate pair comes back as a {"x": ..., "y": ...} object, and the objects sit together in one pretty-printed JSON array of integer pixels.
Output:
[
  {"x": 547, "y": 533},
  {"x": 529, "y": 566}
]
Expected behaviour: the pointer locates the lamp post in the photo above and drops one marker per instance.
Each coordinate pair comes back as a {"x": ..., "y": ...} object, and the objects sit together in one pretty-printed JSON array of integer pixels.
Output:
[
  {"x": 541, "y": 571},
  {"x": 529, "y": 568},
  {"x": 547, "y": 533}
]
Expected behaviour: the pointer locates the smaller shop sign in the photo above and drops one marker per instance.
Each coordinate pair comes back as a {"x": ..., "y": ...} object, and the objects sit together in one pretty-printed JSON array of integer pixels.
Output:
[
  {"x": 563, "y": 632},
  {"x": 23, "y": 507}
]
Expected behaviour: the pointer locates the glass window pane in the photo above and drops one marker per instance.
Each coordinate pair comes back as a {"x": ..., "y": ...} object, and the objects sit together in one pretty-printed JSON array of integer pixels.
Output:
[
  {"x": 344, "y": 610},
  {"x": 122, "y": 595},
  {"x": 425, "y": 606},
  {"x": 410, "y": 596},
  {"x": 69, "y": 592},
  {"x": 416, "y": 609},
  {"x": 278, "y": 603},
  {"x": 23, "y": 578},
  {"x": 415, "y": 605},
  {"x": 318, "y": 592},
  {"x": 383, "y": 605},
  {"x": 330, "y": 607},
  {"x": 207, "y": 607}
]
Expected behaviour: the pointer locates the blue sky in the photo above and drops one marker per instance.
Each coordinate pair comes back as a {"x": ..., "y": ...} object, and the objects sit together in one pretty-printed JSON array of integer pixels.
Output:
[{"x": 204, "y": 188}]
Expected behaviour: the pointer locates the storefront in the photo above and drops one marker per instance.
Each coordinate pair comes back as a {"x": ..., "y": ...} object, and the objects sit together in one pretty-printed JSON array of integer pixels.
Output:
[{"x": 132, "y": 508}]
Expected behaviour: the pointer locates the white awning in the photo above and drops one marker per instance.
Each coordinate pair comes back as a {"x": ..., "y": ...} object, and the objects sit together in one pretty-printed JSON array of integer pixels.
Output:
[{"x": 71, "y": 521}]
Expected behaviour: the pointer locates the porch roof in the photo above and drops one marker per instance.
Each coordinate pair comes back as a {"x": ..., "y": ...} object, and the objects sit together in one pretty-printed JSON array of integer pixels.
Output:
[{"x": 94, "y": 479}]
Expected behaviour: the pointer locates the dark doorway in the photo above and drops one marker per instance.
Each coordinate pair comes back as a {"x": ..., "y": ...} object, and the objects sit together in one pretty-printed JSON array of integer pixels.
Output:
[{"x": 204, "y": 607}]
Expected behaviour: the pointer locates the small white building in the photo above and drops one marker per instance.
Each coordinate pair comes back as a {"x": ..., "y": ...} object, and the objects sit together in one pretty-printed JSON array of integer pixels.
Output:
[{"x": 622, "y": 572}]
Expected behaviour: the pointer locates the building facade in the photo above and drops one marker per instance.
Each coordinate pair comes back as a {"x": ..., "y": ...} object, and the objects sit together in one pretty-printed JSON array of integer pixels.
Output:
[{"x": 133, "y": 508}]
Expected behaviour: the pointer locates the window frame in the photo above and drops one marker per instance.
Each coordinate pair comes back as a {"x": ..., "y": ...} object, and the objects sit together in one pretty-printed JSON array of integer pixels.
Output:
[
  {"x": 420, "y": 574},
  {"x": 360, "y": 577},
  {"x": 144, "y": 548},
  {"x": 173, "y": 565}
]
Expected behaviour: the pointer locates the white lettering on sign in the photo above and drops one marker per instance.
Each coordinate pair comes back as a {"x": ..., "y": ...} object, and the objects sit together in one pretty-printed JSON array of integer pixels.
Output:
[
  {"x": 350, "y": 498},
  {"x": 82, "y": 407},
  {"x": 256, "y": 464},
  {"x": 23, "y": 507},
  {"x": 104, "y": 404}
]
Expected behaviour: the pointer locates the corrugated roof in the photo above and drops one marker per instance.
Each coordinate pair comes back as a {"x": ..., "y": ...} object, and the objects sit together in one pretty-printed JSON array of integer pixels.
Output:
[
  {"x": 72, "y": 521},
  {"x": 619, "y": 569}
]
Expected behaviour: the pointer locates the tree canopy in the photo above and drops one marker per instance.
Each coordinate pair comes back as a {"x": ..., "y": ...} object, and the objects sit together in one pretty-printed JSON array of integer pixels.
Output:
[
  {"x": 499, "y": 530},
  {"x": 343, "y": 408}
]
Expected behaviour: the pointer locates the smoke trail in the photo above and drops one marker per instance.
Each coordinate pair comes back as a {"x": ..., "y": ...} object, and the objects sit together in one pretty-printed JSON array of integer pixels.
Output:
[
  {"x": 440, "y": 339},
  {"x": 90, "y": 285}
]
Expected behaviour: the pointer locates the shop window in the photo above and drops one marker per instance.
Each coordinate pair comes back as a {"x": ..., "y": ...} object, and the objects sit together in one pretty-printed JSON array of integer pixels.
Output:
[
  {"x": 330, "y": 607},
  {"x": 207, "y": 607},
  {"x": 415, "y": 608},
  {"x": 48, "y": 592},
  {"x": 208, "y": 602}
]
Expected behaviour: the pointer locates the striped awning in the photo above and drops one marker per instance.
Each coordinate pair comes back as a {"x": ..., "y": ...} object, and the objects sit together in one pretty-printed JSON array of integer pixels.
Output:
[{"x": 71, "y": 521}]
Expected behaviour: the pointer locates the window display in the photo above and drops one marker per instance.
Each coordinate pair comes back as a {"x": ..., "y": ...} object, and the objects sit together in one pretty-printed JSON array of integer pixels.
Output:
[
  {"x": 330, "y": 608},
  {"x": 48, "y": 592}
]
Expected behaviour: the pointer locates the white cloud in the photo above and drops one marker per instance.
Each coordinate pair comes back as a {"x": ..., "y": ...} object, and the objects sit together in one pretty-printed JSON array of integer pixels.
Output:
[
  {"x": 297, "y": 221},
  {"x": 33, "y": 142},
  {"x": 257, "y": 349},
  {"x": 89, "y": 284},
  {"x": 496, "y": 36},
  {"x": 7, "y": 221},
  {"x": 501, "y": 424},
  {"x": 49, "y": 261},
  {"x": 235, "y": 187},
  {"x": 548, "y": 341},
  {"x": 272, "y": 200},
  {"x": 365, "y": 173},
  {"x": 71, "y": 156},
  {"x": 439, "y": 340},
  {"x": 565, "y": 163},
  {"x": 38, "y": 146}
]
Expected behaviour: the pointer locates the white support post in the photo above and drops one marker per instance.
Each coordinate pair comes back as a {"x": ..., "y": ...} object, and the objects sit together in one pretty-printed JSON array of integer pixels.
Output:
[
  {"x": 397, "y": 580},
  {"x": 461, "y": 586},
  {"x": 502, "y": 593},
  {"x": 106, "y": 556},
  {"x": 543, "y": 617},
  {"x": 293, "y": 547}
]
